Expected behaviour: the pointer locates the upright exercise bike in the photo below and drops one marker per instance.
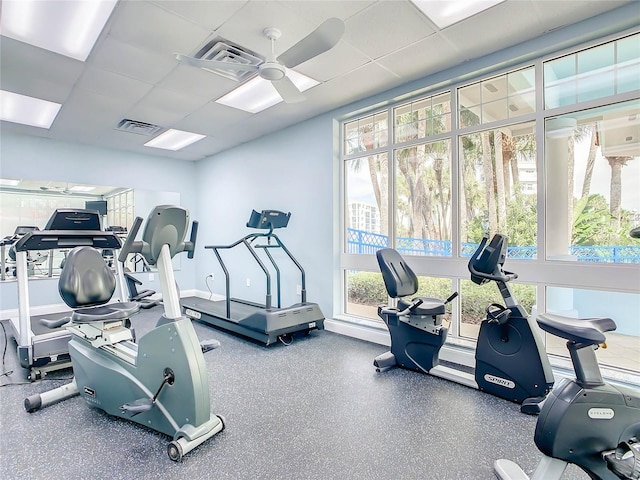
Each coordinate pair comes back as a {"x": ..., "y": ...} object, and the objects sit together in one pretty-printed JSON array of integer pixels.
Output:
[
  {"x": 160, "y": 381},
  {"x": 584, "y": 421},
  {"x": 510, "y": 359}
]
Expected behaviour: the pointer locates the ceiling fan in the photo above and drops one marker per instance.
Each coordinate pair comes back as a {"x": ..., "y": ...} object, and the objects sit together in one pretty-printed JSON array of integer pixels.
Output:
[
  {"x": 64, "y": 190},
  {"x": 322, "y": 39}
]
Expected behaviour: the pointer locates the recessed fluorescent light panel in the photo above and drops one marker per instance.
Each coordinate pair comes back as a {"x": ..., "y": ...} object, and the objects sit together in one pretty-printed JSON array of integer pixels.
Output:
[
  {"x": 27, "y": 110},
  {"x": 258, "y": 94},
  {"x": 7, "y": 182},
  {"x": 174, "y": 140},
  {"x": 82, "y": 188},
  {"x": 447, "y": 12},
  {"x": 69, "y": 28}
]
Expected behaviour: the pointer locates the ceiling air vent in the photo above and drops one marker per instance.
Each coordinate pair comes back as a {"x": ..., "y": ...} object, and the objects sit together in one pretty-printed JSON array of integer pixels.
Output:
[
  {"x": 139, "y": 128},
  {"x": 223, "y": 50}
]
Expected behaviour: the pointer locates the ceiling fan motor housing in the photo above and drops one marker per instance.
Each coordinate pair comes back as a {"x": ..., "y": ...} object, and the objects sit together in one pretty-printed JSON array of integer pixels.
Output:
[{"x": 272, "y": 71}]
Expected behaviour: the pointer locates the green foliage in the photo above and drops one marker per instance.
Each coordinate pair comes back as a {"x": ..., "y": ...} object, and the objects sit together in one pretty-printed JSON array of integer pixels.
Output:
[
  {"x": 366, "y": 288},
  {"x": 522, "y": 220},
  {"x": 592, "y": 221}
]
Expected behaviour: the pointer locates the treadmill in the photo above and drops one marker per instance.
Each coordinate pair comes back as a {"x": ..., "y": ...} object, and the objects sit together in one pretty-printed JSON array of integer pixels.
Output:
[
  {"x": 42, "y": 346},
  {"x": 264, "y": 323}
]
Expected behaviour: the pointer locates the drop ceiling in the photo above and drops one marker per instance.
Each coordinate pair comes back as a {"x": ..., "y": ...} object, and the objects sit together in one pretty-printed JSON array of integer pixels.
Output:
[{"x": 132, "y": 73}]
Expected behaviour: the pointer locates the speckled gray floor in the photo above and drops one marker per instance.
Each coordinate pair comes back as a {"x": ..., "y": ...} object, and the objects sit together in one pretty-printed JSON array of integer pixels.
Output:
[{"x": 314, "y": 410}]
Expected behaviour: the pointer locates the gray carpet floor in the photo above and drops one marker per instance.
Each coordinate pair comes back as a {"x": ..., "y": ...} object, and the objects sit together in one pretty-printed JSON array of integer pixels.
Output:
[{"x": 316, "y": 409}]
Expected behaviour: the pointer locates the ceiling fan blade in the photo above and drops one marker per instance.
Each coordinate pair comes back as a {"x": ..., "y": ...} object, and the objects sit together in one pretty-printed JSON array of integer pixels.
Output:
[
  {"x": 319, "y": 41},
  {"x": 288, "y": 91},
  {"x": 200, "y": 63}
]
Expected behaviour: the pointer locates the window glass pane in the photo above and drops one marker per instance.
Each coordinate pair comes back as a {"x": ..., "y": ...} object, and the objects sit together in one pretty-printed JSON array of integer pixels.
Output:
[
  {"x": 629, "y": 78},
  {"x": 597, "y": 58},
  {"x": 521, "y": 104},
  {"x": 593, "y": 73},
  {"x": 623, "y": 308},
  {"x": 366, "y": 187},
  {"x": 493, "y": 111},
  {"x": 591, "y": 87},
  {"x": 365, "y": 291},
  {"x": 366, "y": 133},
  {"x": 497, "y": 98},
  {"x": 423, "y": 199},
  {"x": 474, "y": 299},
  {"x": 593, "y": 184},
  {"x": 498, "y": 187},
  {"x": 422, "y": 118}
]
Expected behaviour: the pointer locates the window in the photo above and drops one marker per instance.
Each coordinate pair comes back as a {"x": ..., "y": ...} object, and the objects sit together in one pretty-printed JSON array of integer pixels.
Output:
[
  {"x": 498, "y": 188},
  {"x": 431, "y": 175},
  {"x": 497, "y": 98},
  {"x": 593, "y": 180},
  {"x": 593, "y": 73}
]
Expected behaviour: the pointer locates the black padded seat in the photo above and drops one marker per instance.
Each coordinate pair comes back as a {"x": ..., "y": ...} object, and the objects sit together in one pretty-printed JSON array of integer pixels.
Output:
[
  {"x": 86, "y": 285},
  {"x": 588, "y": 331},
  {"x": 429, "y": 306},
  {"x": 400, "y": 282}
]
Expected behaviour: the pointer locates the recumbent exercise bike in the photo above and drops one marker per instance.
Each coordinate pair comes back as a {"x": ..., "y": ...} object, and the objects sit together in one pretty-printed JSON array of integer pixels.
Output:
[{"x": 160, "y": 381}]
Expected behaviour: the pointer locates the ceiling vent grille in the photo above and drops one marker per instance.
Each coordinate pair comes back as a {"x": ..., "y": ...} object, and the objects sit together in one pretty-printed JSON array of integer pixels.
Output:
[
  {"x": 139, "y": 128},
  {"x": 223, "y": 50}
]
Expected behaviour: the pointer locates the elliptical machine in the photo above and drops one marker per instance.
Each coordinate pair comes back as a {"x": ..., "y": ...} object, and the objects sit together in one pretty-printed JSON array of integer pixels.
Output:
[
  {"x": 510, "y": 359},
  {"x": 584, "y": 421},
  {"x": 160, "y": 381}
]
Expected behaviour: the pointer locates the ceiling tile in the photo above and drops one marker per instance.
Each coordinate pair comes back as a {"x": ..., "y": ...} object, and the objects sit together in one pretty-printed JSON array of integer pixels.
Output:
[
  {"x": 114, "y": 85},
  {"x": 198, "y": 82},
  {"x": 317, "y": 11},
  {"x": 133, "y": 61},
  {"x": 339, "y": 60},
  {"x": 411, "y": 62},
  {"x": 146, "y": 25},
  {"x": 246, "y": 26},
  {"x": 385, "y": 27},
  {"x": 165, "y": 107},
  {"x": 518, "y": 22},
  {"x": 553, "y": 14},
  {"x": 207, "y": 14},
  {"x": 36, "y": 72},
  {"x": 210, "y": 118}
]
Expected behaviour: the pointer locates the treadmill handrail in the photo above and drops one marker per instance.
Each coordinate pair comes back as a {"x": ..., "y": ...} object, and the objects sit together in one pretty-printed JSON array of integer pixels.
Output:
[{"x": 246, "y": 242}]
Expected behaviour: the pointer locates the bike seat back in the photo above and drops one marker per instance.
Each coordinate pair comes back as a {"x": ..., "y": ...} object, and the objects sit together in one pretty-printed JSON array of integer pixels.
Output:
[
  {"x": 398, "y": 277},
  {"x": 86, "y": 284}
]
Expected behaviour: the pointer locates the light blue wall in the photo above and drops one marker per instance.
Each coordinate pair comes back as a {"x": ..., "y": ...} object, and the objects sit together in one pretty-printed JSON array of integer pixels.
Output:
[
  {"x": 36, "y": 158},
  {"x": 291, "y": 170}
]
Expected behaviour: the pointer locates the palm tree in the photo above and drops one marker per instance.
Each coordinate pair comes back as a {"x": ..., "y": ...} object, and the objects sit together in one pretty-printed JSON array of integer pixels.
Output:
[{"x": 616, "y": 163}]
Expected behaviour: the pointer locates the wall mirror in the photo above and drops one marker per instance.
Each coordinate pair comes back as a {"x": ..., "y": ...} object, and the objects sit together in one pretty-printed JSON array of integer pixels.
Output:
[{"x": 30, "y": 203}]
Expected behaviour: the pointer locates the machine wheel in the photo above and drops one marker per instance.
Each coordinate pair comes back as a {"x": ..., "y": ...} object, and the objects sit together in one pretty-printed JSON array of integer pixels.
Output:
[
  {"x": 33, "y": 403},
  {"x": 174, "y": 450}
]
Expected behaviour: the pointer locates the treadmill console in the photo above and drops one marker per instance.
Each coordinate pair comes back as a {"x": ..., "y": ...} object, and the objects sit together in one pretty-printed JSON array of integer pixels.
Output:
[
  {"x": 74, "y": 219},
  {"x": 268, "y": 219}
]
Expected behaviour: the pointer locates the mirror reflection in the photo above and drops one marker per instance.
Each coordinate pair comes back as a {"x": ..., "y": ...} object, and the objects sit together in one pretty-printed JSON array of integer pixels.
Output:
[{"x": 28, "y": 204}]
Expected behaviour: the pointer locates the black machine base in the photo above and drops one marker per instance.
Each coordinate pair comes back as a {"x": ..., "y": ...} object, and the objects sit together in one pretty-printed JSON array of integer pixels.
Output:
[{"x": 266, "y": 326}]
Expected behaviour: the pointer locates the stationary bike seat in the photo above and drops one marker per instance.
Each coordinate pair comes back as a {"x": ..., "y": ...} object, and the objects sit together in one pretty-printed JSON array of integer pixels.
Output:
[
  {"x": 588, "y": 331},
  {"x": 429, "y": 306}
]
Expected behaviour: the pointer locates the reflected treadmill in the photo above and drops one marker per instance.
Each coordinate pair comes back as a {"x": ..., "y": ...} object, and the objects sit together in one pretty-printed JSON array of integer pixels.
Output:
[
  {"x": 264, "y": 323},
  {"x": 42, "y": 342}
]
